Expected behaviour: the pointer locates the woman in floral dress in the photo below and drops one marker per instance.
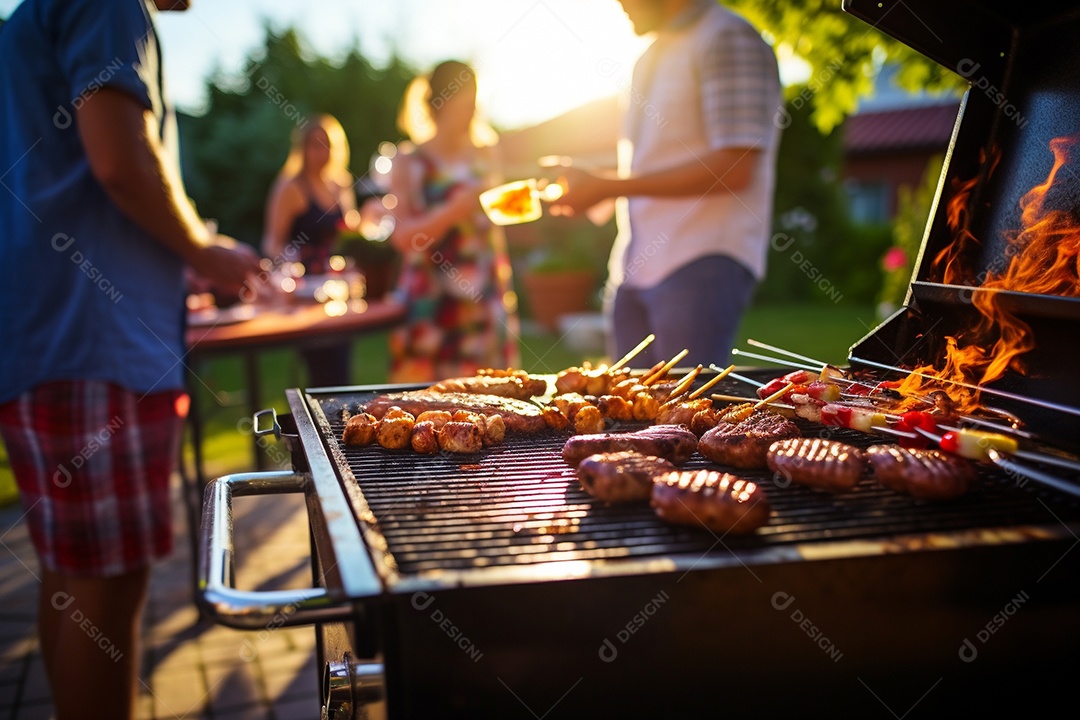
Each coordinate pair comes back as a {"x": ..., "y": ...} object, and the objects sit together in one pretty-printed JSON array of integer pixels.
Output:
[{"x": 455, "y": 278}]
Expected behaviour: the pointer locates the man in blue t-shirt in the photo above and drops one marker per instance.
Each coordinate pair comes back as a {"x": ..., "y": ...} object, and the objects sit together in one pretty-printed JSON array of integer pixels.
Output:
[{"x": 96, "y": 234}]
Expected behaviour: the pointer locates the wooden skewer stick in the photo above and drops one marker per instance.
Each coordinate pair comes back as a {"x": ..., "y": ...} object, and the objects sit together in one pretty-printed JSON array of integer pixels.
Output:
[
  {"x": 775, "y": 396},
  {"x": 743, "y": 378},
  {"x": 782, "y": 351},
  {"x": 736, "y": 398},
  {"x": 778, "y": 361},
  {"x": 666, "y": 368},
  {"x": 685, "y": 383},
  {"x": 717, "y": 378},
  {"x": 633, "y": 353}
]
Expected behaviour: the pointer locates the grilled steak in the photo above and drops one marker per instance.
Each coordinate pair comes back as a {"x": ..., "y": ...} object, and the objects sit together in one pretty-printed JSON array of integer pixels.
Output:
[
  {"x": 927, "y": 474},
  {"x": 519, "y": 385},
  {"x": 746, "y": 444},
  {"x": 822, "y": 464},
  {"x": 621, "y": 476},
  {"x": 671, "y": 442},
  {"x": 721, "y": 502},
  {"x": 518, "y": 416}
]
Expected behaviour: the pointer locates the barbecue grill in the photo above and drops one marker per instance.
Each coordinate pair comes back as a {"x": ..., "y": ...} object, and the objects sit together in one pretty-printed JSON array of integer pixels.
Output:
[{"x": 492, "y": 586}]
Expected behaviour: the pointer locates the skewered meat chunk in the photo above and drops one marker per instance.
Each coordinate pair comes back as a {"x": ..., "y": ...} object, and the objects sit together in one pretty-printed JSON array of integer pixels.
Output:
[
  {"x": 615, "y": 407},
  {"x": 645, "y": 407},
  {"x": 569, "y": 404},
  {"x": 460, "y": 437},
  {"x": 424, "y": 438},
  {"x": 822, "y": 464},
  {"x": 735, "y": 414},
  {"x": 588, "y": 420},
  {"x": 555, "y": 418},
  {"x": 721, "y": 502},
  {"x": 621, "y": 476},
  {"x": 671, "y": 442},
  {"x": 517, "y": 384},
  {"x": 704, "y": 420},
  {"x": 395, "y": 433},
  {"x": 926, "y": 474},
  {"x": 746, "y": 444},
  {"x": 519, "y": 416},
  {"x": 360, "y": 430},
  {"x": 681, "y": 412}
]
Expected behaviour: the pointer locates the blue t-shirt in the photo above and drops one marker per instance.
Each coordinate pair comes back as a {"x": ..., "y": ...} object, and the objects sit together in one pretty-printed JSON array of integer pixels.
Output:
[{"x": 84, "y": 292}]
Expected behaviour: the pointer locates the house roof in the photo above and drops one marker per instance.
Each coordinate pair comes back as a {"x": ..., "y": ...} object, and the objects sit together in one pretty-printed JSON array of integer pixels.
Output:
[{"x": 900, "y": 129}]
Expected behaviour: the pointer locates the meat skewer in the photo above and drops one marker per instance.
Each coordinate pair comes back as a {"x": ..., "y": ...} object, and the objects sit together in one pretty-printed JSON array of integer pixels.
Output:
[
  {"x": 665, "y": 368},
  {"x": 633, "y": 353}
]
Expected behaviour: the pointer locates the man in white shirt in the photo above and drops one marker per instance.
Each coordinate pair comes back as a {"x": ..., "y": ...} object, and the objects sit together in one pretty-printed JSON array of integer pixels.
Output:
[{"x": 696, "y": 176}]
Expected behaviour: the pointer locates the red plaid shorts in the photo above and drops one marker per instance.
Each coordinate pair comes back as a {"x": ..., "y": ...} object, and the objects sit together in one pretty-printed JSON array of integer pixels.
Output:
[{"x": 93, "y": 462}]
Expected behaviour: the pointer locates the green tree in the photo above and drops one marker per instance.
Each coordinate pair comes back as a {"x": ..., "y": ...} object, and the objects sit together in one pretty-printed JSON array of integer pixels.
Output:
[
  {"x": 232, "y": 152},
  {"x": 844, "y": 54}
]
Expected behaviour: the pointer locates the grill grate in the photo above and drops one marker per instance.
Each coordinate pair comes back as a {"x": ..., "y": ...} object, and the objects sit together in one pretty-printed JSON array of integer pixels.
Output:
[{"x": 520, "y": 504}]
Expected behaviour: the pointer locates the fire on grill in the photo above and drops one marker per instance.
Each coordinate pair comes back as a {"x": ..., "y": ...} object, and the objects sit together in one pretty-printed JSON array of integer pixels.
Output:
[{"x": 907, "y": 549}]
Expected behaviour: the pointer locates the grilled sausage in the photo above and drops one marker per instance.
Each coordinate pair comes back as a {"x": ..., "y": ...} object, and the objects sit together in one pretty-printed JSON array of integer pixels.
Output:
[
  {"x": 926, "y": 474},
  {"x": 519, "y": 416},
  {"x": 721, "y": 502},
  {"x": 360, "y": 430},
  {"x": 494, "y": 429},
  {"x": 621, "y": 476},
  {"x": 671, "y": 442},
  {"x": 460, "y": 437},
  {"x": 424, "y": 438},
  {"x": 395, "y": 433},
  {"x": 745, "y": 444},
  {"x": 822, "y": 464}
]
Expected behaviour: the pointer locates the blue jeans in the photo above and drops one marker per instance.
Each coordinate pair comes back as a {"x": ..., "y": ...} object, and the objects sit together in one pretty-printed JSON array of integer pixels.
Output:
[{"x": 697, "y": 307}]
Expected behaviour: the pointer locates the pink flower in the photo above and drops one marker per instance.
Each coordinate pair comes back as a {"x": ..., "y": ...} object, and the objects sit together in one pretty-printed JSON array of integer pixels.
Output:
[{"x": 895, "y": 259}]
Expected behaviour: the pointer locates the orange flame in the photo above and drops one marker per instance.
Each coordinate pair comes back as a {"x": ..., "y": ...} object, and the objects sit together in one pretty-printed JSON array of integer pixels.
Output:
[{"x": 1044, "y": 259}]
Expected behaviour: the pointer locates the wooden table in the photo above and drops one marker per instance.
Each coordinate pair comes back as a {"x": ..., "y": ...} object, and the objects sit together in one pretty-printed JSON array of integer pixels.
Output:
[{"x": 297, "y": 327}]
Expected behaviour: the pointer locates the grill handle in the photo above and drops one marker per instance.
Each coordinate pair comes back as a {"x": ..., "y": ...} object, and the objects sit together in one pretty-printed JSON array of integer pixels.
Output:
[{"x": 249, "y": 610}]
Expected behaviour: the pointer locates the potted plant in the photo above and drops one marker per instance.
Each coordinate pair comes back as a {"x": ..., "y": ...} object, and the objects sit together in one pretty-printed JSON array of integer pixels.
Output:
[{"x": 562, "y": 275}]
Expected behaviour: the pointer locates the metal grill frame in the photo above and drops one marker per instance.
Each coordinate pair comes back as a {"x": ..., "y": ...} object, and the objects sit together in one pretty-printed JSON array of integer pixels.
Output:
[{"x": 380, "y": 557}]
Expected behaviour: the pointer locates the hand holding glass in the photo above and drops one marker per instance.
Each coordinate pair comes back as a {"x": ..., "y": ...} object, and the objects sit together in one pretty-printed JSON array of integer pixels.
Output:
[{"x": 518, "y": 202}]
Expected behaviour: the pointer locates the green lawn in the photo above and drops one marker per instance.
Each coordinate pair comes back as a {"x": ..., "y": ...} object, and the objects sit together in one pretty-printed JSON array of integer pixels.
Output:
[{"x": 824, "y": 333}]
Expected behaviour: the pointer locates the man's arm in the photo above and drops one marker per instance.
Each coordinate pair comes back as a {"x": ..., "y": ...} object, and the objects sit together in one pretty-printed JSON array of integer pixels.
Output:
[
  {"x": 127, "y": 158},
  {"x": 725, "y": 170}
]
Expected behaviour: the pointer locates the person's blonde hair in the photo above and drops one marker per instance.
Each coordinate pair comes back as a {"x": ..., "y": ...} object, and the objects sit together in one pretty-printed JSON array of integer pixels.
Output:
[
  {"x": 425, "y": 95},
  {"x": 338, "y": 165}
]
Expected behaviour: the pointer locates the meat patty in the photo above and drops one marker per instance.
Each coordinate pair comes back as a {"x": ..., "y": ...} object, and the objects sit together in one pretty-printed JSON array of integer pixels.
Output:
[
  {"x": 822, "y": 464},
  {"x": 519, "y": 416},
  {"x": 926, "y": 474},
  {"x": 671, "y": 442},
  {"x": 621, "y": 476},
  {"x": 721, "y": 502},
  {"x": 745, "y": 444},
  {"x": 519, "y": 385}
]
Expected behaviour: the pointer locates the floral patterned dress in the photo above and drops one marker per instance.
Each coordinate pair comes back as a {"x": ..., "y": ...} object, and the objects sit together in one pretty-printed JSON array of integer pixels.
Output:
[{"x": 462, "y": 311}]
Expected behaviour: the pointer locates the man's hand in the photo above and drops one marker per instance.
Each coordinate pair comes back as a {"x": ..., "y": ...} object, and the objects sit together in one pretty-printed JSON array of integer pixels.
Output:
[
  {"x": 226, "y": 264},
  {"x": 581, "y": 190}
]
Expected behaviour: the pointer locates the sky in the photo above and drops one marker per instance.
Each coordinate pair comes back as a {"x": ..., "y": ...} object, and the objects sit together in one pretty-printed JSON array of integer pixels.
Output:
[{"x": 535, "y": 58}]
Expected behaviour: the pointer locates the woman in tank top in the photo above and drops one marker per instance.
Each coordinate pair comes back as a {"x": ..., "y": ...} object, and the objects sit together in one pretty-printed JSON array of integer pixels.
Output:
[
  {"x": 309, "y": 201},
  {"x": 455, "y": 277}
]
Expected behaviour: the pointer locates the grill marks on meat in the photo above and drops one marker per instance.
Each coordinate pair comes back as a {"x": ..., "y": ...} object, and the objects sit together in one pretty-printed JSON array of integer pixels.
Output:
[
  {"x": 746, "y": 444},
  {"x": 926, "y": 474},
  {"x": 671, "y": 442},
  {"x": 822, "y": 464},
  {"x": 621, "y": 476},
  {"x": 518, "y": 385},
  {"x": 721, "y": 502},
  {"x": 518, "y": 416}
]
